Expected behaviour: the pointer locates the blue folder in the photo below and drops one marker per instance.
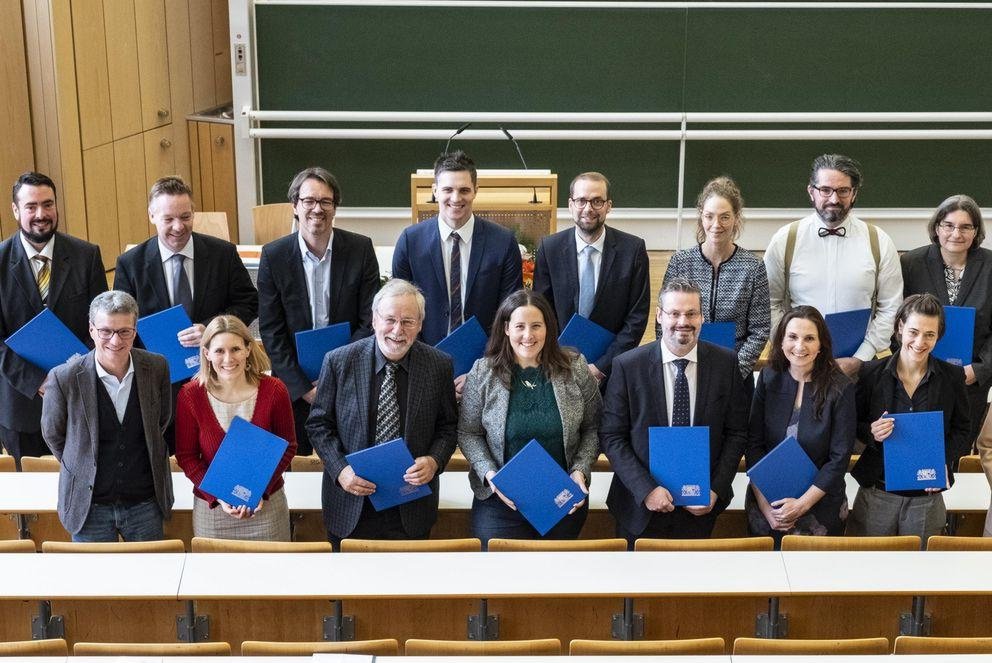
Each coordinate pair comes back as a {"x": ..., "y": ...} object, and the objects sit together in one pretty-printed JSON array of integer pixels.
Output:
[
  {"x": 384, "y": 465},
  {"x": 159, "y": 332},
  {"x": 847, "y": 330},
  {"x": 313, "y": 344},
  {"x": 785, "y": 471},
  {"x": 587, "y": 337},
  {"x": 956, "y": 344},
  {"x": 914, "y": 453},
  {"x": 244, "y": 464},
  {"x": 537, "y": 485},
  {"x": 464, "y": 345},
  {"x": 45, "y": 341},
  {"x": 679, "y": 459},
  {"x": 723, "y": 334}
]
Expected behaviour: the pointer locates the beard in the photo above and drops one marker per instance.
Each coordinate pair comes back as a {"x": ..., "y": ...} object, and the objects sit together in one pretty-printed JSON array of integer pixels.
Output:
[
  {"x": 833, "y": 214},
  {"x": 40, "y": 237}
]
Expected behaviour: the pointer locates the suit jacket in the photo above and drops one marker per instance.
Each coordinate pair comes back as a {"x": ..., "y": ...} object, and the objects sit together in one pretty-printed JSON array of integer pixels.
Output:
[
  {"x": 339, "y": 425},
  {"x": 71, "y": 428},
  {"x": 876, "y": 394},
  {"x": 284, "y": 306},
  {"x": 622, "y": 293},
  {"x": 827, "y": 440},
  {"x": 77, "y": 276},
  {"x": 635, "y": 401},
  {"x": 221, "y": 283},
  {"x": 482, "y": 420},
  {"x": 494, "y": 271},
  {"x": 923, "y": 271}
]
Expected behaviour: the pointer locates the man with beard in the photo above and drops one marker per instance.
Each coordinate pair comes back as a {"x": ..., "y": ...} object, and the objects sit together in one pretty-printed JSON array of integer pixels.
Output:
[
  {"x": 599, "y": 272},
  {"x": 678, "y": 381},
  {"x": 836, "y": 262},
  {"x": 41, "y": 268}
]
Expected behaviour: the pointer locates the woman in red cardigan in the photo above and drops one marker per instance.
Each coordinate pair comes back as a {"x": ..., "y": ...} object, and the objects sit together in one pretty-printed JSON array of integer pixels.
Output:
[{"x": 231, "y": 382}]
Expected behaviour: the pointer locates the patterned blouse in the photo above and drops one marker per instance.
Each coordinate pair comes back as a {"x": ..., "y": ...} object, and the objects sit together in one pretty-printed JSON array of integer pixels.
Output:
[{"x": 738, "y": 292}]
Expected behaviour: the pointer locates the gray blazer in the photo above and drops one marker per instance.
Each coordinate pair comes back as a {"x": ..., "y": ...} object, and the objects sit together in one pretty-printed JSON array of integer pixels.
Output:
[
  {"x": 69, "y": 424},
  {"x": 482, "y": 421}
]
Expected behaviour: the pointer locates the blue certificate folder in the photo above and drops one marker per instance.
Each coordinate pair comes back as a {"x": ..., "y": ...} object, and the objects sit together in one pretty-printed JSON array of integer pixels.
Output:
[
  {"x": 313, "y": 344},
  {"x": 587, "y": 337},
  {"x": 956, "y": 344},
  {"x": 723, "y": 334},
  {"x": 244, "y": 464},
  {"x": 847, "y": 330},
  {"x": 384, "y": 465},
  {"x": 464, "y": 345},
  {"x": 914, "y": 453},
  {"x": 159, "y": 331},
  {"x": 785, "y": 471},
  {"x": 680, "y": 461},
  {"x": 45, "y": 341},
  {"x": 537, "y": 485}
]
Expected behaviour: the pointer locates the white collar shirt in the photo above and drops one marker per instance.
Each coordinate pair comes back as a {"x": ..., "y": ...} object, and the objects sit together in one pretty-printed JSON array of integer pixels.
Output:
[
  {"x": 318, "y": 274},
  {"x": 597, "y": 254},
  {"x": 118, "y": 390},
  {"x": 166, "y": 253},
  {"x": 465, "y": 235},
  {"x": 670, "y": 371}
]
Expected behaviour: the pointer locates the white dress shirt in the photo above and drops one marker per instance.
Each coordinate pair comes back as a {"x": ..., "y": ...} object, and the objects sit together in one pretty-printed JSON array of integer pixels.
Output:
[
  {"x": 837, "y": 274},
  {"x": 318, "y": 274},
  {"x": 118, "y": 390},
  {"x": 597, "y": 255},
  {"x": 167, "y": 267},
  {"x": 465, "y": 233},
  {"x": 667, "y": 357},
  {"x": 47, "y": 251}
]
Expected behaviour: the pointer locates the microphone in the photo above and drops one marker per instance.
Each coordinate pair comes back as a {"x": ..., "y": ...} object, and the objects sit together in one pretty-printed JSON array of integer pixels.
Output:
[
  {"x": 446, "y": 146},
  {"x": 534, "y": 200}
]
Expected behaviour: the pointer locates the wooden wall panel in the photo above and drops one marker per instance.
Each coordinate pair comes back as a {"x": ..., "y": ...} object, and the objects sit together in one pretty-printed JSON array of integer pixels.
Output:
[
  {"x": 201, "y": 39},
  {"x": 132, "y": 195},
  {"x": 180, "y": 81},
  {"x": 222, "y": 52},
  {"x": 196, "y": 173},
  {"x": 153, "y": 63},
  {"x": 72, "y": 190},
  {"x": 17, "y": 153},
  {"x": 92, "y": 75},
  {"x": 40, "y": 68},
  {"x": 206, "y": 181},
  {"x": 122, "y": 65},
  {"x": 222, "y": 159},
  {"x": 101, "y": 201},
  {"x": 160, "y": 154}
]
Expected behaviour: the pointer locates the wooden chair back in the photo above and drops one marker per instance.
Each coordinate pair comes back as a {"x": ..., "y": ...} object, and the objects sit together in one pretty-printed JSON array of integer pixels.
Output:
[
  {"x": 754, "y": 543},
  {"x": 908, "y": 644},
  {"x": 959, "y": 543},
  {"x": 548, "y": 545},
  {"x": 970, "y": 464},
  {"x": 51, "y": 647},
  {"x": 271, "y": 221},
  {"x": 385, "y": 647},
  {"x": 765, "y": 646},
  {"x": 792, "y": 542},
  {"x": 151, "y": 649},
  {"x": 213, "y": 224},
  {"x": 689, "y": 647},
  {"x": 202, "y": 544},
  {"x": 40, "y": 464},
  {"x": 425, "y": 545},
  {"x": 544, "y": 647},
  {"x": 7, "y": 464},
  {"x": 306, "y": 464},
  {"x": 17, "y": 546},
  {"x": 165, "y": 546}
]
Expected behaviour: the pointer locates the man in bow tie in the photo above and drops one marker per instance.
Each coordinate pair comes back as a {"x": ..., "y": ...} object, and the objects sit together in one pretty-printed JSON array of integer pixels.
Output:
[{"x": 835, "y": 261}]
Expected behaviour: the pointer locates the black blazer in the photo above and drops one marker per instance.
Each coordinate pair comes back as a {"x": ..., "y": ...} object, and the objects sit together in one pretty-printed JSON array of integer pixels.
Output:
[
  {"x": 77, "y": 276},
  {"x": 221, "y": 283},
  {"x": 623, "y": 295},
  {"x": 923, "y": 271},
  {"x": 827, "y": 441},
  {"x": 339, "y": 425},
  {"x": 635, "y": 400},
  {"x": 284, "y": 306},
  {"x": 876, "y": 394}
]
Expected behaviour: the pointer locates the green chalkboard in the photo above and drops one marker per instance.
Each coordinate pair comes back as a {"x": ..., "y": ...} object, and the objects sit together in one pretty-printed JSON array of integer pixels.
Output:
[{"x": 626, "y": 60}]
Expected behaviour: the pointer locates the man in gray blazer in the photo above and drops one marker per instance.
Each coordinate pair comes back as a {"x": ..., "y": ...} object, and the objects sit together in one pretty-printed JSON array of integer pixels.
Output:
[
  {"x": 103, "y": 417},
  {"x": 375, "y": 390}
]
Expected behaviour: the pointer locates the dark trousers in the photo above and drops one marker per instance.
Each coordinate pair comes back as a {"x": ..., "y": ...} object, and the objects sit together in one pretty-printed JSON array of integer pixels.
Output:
[
  {"x": 377, "y": 525},
  {"x": 301, "y": 410},
  {"x": 20, "y": 444},
  {"x": 678, "y": 524},
  {"x": 492, "y": 519}
]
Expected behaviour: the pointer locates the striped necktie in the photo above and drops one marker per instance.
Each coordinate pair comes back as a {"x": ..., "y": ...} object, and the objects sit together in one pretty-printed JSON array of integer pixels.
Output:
[{"x": 44, "y": 277}]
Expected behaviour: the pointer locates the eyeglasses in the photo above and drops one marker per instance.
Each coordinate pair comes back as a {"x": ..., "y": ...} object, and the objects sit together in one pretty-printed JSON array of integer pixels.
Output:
[
  {"x": 948, "y": 227},
  {"x": 325, "y": 203},
  {"x": 688, "y": 315},
  {"x": 595, "y": 203},
  {"x": 405, "y": 323},
  {"x": 827, "y": 191},
  {"x": 125, "y": 334}
]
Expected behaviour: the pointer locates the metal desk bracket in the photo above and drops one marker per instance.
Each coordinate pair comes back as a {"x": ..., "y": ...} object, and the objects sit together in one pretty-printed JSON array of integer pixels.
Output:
[
  {"x": 627, "y": 625},
  {"x": 483, "y": 626},
  {"x": 191, "y": 627},
  {"x": 338, "y": 627},
  {"x": 771, "y": 624},
  {"x": 44, "y": 625},
  {"x": 918, "y": 622},
  {"x": 23, "y": 531}
]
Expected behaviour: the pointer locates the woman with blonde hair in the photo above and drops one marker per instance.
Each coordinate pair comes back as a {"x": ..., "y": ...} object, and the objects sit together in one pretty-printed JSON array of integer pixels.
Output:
[{"x": 232, "y": 382}]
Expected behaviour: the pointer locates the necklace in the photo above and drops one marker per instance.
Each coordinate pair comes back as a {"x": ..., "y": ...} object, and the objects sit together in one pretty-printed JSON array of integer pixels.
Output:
[{"x": 529, "y": 384}]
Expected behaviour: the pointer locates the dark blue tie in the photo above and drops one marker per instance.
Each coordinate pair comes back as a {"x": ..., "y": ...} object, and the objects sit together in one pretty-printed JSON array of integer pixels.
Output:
[
  {"x": 680, "y": 404},
  {"x": 455, "y": 284}
]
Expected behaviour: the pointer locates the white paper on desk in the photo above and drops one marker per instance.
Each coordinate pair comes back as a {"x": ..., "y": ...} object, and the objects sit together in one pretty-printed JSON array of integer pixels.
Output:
[{"x": 344, "y": 658}]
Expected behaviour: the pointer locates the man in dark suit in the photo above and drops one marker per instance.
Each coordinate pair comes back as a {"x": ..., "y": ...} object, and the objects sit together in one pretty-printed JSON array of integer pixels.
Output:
[
  {"x": 41, "y": 268},
  {"x": 317, "y": 277},
  {"x": 596, "y": 271},
  {"x": 375, "y": 390},
  {"x": 180, "y": 267},
  {"x": 464, "y": 265},
  {"x": 104, "y": 416},
  {"x": 679, "y": 381}
]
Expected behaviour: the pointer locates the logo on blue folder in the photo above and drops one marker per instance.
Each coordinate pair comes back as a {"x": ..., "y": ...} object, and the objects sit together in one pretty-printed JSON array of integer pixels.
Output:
[
  {"x": 562, "y": 498},
  {"x": 192, "y": 361},
  {"x": 926, "y": 474},
  {"x": 691, "y": 490},
  {"x": 241, "y": 492}
]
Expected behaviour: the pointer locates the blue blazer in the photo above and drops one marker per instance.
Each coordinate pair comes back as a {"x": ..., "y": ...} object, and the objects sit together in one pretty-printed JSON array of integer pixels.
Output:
[
  {"x": 494, "y": 271},
  {"x": 635, "y": 400}
]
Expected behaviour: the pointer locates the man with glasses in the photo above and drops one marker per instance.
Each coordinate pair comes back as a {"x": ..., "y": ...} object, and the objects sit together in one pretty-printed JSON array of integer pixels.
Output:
[
  {"x": 678, "y": 381},
  {"x": 595, "y": 270},
  {"x": 373, "y": 391},
  {"x": 836, "y": 262},
  {"x": 203, "y": 274},
  {"x": 41, "y": 268},
  {"x": 310, "y": 279},
  {"x": 104, "y": 417}
]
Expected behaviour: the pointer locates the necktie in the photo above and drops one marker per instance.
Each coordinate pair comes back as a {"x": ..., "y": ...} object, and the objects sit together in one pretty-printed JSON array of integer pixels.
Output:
[
  {"x": 839, "y": 232},
  {"x": 44, "y": 277},
  {"x": 680, "y": 404},
  {"x": 387, "y": 419},
  {"x": 181, "y": 292},
  {"x": 455, "y": 284},
  {"x": 587, "y": 282}
]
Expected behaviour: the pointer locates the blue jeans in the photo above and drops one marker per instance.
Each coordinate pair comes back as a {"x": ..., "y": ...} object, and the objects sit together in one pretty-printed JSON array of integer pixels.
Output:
[
  {"x": 492, "y": 519},
  {"x": 134, "y": 522}
]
